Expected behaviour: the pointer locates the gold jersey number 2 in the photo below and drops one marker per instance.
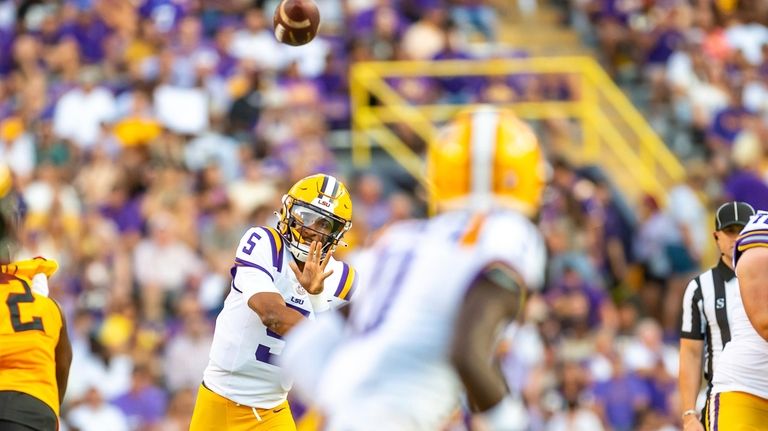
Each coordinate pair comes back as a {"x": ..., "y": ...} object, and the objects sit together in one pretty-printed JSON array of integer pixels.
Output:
[{"x": 13, "y": 301}]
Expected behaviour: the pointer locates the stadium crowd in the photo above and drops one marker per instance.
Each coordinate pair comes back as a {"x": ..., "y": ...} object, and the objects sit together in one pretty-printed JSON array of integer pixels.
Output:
[{"x": 145, "y": 137}]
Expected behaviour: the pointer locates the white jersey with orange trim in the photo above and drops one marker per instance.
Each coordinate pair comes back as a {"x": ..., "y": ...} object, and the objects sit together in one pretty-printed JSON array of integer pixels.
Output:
[
  {"x": 244, "y": 353},
  {"x": 743, "y": 364},
  {"x": 393, "y": 370}
]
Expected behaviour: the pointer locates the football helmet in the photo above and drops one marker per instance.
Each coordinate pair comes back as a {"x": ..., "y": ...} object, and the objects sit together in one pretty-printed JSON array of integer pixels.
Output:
[
  {"x": 316, "y": 208},
  {"x": 486, "y": 154}
]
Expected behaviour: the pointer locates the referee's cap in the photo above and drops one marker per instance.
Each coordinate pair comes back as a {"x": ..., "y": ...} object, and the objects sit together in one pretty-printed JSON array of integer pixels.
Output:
[{"x": 733, "y": 213}]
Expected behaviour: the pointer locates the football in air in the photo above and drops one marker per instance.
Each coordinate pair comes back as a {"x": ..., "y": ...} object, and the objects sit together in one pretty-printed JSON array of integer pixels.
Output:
[{"x": 296, "y": 21}]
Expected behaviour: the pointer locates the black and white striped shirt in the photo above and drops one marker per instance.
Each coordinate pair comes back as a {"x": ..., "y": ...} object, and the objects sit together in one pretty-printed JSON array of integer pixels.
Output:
[{"x": 705, "y": 312}]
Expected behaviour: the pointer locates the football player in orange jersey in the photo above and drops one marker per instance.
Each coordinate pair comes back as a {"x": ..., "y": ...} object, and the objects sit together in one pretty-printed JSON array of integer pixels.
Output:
[{"x": 35, "y": 352}]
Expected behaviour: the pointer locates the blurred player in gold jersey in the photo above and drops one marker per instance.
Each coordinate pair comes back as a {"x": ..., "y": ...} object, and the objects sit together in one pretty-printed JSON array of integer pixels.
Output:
[{"x": 35, "y": 352}]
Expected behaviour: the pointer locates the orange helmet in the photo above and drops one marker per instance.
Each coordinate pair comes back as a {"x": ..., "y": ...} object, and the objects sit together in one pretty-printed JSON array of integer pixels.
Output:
[{"x": 485, "y": 154}]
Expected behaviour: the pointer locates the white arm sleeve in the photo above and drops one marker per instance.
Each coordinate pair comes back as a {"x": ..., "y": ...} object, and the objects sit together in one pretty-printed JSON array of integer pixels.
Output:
[
  {"x": 515, "y": 241},
  {"x": 40, "y": 284},
  {"x": 250, "y": 281}
]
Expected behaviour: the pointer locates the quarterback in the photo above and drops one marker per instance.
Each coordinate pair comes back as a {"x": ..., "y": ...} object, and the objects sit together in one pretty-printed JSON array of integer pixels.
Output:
[
  {"x": 439, "y": 290},
  {"x": 281, "y": 276}
]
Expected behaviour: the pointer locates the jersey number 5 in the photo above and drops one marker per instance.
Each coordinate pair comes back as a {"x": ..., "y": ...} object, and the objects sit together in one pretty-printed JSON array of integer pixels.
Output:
[
  {"x": 248, "y": 248},
  {"x": 263, "y": 352},
  {"x": 13, "y": 301}
]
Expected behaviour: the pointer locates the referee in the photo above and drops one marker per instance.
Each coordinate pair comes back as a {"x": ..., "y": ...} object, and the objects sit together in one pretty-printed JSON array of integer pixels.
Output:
[{"x": 705, "y": 329}]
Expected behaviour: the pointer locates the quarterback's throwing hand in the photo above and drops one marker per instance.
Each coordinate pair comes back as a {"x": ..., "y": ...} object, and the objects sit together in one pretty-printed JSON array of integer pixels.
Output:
[{"x": 313, "y": 276}]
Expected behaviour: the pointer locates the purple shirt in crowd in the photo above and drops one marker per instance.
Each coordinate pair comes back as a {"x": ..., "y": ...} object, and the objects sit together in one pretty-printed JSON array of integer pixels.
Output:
[
  {"x": 6, "y": 44},
  {"x": 747, "y": 187},
  {"x": 620, "y": 395},
  {"x": 595, "y": 297},
  {"x": 728, "y": 123},
  {"x": 127, "y": 218},
  {"x": 666, "y": 43},
  {"x": 144, "y": 407}
]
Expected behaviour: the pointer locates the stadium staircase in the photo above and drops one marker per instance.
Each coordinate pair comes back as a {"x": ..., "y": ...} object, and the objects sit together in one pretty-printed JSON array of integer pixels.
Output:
[{"x": 609, "y": 130}]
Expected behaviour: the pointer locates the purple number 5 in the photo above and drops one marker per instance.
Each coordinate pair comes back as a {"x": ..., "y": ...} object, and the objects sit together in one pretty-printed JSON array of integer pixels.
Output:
[
  {"x": 263, "y": 353},
  {"x": 248, "y": 248}
]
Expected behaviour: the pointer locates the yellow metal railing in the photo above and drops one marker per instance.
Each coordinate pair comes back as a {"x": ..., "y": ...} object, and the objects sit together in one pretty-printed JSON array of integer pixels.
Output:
[{"x": 609, "y": 122}]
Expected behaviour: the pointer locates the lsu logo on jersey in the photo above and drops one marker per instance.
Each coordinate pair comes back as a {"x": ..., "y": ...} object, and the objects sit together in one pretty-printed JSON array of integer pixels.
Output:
[{"x": 296, "y": 300}]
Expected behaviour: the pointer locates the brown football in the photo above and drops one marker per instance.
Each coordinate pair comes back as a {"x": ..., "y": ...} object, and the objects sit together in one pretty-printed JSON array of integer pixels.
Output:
[{"x": 296, "y": 21}]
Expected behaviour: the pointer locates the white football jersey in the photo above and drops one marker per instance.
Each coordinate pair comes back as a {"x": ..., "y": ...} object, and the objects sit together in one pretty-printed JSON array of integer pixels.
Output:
[
  {"x": 743, "y": 364},
  {"x": 394, "y": 368},
  {"x": 242, "y": 365}
]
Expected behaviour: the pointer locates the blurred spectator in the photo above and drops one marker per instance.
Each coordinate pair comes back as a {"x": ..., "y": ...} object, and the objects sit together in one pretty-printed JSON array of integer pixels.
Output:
[
  {"x": 622, "y": 398},
  {"x": 424, "y": 39},
  {"x": 256, "y": 43},
  {"x": 179, "y": 412},
  {"x": 575, "y": 416},
  {"x": 687, "y": 208},
  {"x": 49, "y": 198},
  {"x": 742, "y": 178},
  {"x": 384, "y": 32},
  {"x": 190, "y": 346},
  {"x": 213, "y": 147},
  {"x": 727, "y": 123},
  {"x": 182, "y": 109},
  {"x": 578, "y": 304},
  {"x": 81, "y": 111},
  {"x": 95, "y": 414},
  {"x": 599, "y": 365},
  {"x": 400, "y": 207},
  {"x": 255, "y": 189},
  {"x": 655, "y": 362},
  {"x": 144, "y": 404},
  {"x": 106, "y": 270},
  {"x": 612, "y": 234},
  {"x": 219, "y": 234},
  {"x": 475, "y": 15},
  {"x": 173, "y": 265},
  {"x": 17, "y": 148},
  {"x": 103, "y": 364},
  {"x": 122, "y": 206},
  {"x": 564, "y": 220},
  {"x": 244, "y": 113},
  {"x": 747, "y": 37},
  {"x": 369, "y": 201},
  {"x": 50, "y": 149},
  {"x": 647, "y": 351},
  {"x": 658, "y": 239},
  {"x": 139, "y": 127}
]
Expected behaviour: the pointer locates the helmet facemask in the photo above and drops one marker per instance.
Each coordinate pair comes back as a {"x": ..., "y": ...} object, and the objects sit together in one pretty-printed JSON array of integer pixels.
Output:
[{"x": 301, "y": 223}]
